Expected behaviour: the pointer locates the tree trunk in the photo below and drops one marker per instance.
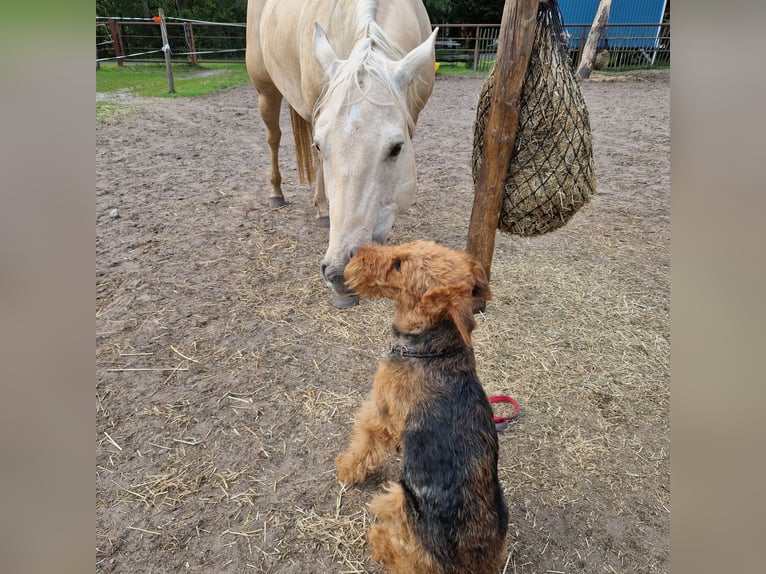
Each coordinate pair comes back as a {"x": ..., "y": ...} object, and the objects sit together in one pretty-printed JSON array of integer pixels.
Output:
[
  {"x": 517, "y": 32},
  {"x": 589, "y": 52}
]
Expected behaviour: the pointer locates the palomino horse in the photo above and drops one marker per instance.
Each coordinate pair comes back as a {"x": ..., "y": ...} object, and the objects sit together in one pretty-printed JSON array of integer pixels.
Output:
[{"x": 356, "y": 74}]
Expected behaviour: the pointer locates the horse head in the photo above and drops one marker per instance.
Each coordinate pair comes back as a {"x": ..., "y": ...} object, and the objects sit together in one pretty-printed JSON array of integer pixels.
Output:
[{"x": 363, "y": 128}]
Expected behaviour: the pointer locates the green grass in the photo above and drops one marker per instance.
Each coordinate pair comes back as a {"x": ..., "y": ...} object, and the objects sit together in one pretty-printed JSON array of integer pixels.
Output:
[
  {"x": 457, "y": 68},
  {"x": 151, "y": 80}
]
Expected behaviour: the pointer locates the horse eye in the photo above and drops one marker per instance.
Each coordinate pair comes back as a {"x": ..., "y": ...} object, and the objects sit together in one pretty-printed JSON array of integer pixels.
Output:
[
  {"x": 316, "y": 147},
  {"x": 395, "y": 151}
]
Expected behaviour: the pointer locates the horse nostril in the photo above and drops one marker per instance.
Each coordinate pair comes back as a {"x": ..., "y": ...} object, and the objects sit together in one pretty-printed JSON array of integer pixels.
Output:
[{"x": 323, "y": 270}]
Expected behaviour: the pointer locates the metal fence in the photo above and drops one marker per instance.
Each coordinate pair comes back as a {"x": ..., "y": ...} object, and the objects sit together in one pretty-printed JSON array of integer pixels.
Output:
[
  {"x": 139, "y": 40},
  {"x": 630, "y": 46},
  {"x": 465, "y": 46}
]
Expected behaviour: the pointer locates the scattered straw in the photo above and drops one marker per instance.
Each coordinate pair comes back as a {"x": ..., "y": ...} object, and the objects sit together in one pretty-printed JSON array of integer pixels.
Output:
[
  {"x": 111, "y": 440},
  {"x": 145, "y": 530},
  {"x": 577, "y": 332},
  {"x": 125, "y": 369},
  {"x": 176, "y": 351}
]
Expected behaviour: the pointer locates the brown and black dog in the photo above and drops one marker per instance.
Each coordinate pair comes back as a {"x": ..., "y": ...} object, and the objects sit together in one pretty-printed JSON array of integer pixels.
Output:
[{"x": 446, "y": 514}]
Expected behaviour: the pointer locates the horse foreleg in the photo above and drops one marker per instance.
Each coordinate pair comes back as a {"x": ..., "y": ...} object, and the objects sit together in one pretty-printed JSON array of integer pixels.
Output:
[
  {"x": 269, "y": 104},
  {"x": 320, "y": 199}
]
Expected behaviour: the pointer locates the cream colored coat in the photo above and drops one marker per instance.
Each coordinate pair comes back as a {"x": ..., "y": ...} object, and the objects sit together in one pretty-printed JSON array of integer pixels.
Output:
[{"x": 356, "y": 76}]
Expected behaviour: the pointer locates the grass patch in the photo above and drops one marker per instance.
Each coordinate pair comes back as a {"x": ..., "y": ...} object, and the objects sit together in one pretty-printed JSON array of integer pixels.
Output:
[
  {"x": 457, "y": 68},
  {"x": 111, "y": 111},
  {"x": 150, "y": 80}
]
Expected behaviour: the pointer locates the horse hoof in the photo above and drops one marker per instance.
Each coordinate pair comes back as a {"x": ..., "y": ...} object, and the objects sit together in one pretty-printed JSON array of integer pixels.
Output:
[
  {"x": 277, "y": 202},
  {"x": 324, "y": 221},
  {"x": 344, "y": 301}
]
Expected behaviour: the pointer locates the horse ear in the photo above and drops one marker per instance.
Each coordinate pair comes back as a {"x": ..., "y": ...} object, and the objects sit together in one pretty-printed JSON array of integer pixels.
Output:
[
  {"x": 421, "y": 58},
  {"x": 323, "y": 51}
]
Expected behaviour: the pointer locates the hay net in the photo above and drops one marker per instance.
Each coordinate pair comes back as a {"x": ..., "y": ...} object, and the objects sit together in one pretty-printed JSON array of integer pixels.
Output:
[{"x": 551, "y": 173}]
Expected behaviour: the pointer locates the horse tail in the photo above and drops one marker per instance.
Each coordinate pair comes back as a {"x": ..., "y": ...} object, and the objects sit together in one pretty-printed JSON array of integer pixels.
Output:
[{"x": 304, "y": 138}]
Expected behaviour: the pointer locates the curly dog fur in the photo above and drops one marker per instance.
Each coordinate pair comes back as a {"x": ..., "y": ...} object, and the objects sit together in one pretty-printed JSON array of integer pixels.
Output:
[{"x": 446, "y": 514}]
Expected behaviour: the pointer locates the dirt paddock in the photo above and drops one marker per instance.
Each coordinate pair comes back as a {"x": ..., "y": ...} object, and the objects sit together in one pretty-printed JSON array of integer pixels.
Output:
[{"x": 226, "y": 382}]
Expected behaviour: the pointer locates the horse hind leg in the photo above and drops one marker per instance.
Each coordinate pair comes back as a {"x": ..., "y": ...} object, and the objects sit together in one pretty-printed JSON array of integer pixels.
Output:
[{"x": 269, "y": 104}]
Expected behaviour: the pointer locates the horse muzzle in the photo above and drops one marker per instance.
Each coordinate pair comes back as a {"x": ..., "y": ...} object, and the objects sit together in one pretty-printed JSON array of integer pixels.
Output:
[{"x": 342, "y": 296}]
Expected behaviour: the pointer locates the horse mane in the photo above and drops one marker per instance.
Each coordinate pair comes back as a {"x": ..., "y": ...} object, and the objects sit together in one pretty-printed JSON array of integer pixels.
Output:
[
  {"x": 370, "y": 52},
  {"x": 369, "y": 56}
]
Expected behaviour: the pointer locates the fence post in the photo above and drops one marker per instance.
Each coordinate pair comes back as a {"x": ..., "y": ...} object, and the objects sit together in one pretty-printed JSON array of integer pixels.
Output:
[
  {"x": 119, "y": 52},
  {"x": 190, "y": 42},
  {"x": 513, "y": 52},
  {"x": 591, "y": 46},
  {"x": 166, "y": 49},
  {"x": 476, "y": 48}
]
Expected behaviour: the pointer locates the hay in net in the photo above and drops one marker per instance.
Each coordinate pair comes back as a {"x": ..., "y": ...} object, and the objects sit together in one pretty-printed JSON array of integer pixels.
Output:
[{"x": 551, "y": 173}]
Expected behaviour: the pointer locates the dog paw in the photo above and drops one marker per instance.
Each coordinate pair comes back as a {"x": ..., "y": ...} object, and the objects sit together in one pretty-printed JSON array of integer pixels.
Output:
[{"x": 349, "y": 470}]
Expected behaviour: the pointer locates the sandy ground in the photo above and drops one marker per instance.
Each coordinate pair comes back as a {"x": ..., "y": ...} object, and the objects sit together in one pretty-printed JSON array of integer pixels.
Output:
[{"x": 226, "y": 382}]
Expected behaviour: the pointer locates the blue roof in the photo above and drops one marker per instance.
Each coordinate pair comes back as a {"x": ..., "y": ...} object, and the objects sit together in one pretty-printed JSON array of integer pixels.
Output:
[{"x": 621, "y": 12}]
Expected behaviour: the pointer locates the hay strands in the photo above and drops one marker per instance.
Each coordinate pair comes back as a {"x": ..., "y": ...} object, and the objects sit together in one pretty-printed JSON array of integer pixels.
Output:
[{"x": 532, "y": 158}]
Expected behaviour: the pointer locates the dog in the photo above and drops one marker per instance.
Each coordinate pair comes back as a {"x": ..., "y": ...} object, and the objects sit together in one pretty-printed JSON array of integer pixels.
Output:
[{"x": 446, "y": 514}]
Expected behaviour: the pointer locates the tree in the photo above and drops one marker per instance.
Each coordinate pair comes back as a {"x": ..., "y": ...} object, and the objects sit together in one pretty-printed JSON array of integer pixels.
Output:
[
  {"x": 465, "y": 11},
  {"x": 210, "y": 10},
  {"x": 477, "y": 12},
  {"x": 438, "y": 10}
]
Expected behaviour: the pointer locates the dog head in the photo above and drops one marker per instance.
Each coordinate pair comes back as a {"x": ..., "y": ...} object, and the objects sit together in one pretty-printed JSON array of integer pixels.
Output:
[{"x": 428, "y": 282}]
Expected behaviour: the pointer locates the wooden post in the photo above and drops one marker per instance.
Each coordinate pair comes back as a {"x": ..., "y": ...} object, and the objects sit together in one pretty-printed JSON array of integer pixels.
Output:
[
  {"x": 582, "y": 44},
  {"x": 119, "y": 52},
  {"x": 476, "y": 49},
  {"x": 514, "y": 47},
  {"x": 589, "y": 52},
  {"x": 166, "y": 49},
  {"x": 190, "y": 42}
]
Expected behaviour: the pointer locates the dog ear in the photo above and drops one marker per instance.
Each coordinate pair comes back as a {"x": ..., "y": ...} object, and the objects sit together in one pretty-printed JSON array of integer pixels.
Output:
[
  {"x": 481, "y": 288},
  {"x": 445, "y": 301},
  {"x": 462, "y": 316}
]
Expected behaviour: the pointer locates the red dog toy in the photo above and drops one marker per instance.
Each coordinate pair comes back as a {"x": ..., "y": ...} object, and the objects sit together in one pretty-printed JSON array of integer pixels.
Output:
[{"x": 501, "y": 423}]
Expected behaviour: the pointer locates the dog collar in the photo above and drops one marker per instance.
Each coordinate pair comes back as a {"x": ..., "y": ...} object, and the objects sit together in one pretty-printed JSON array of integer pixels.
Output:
[{"x": 407, "y": 353}]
